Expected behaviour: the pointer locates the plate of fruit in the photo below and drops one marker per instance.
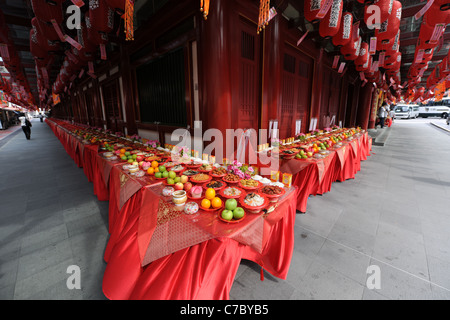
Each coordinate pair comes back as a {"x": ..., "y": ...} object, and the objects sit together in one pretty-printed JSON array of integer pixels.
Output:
[
  {"x": 211, "y": 202},
  {"x": 232, "y": 213}
]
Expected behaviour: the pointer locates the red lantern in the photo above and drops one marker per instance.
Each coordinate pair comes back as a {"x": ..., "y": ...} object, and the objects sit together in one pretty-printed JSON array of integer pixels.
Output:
[
  {"x": 35, "y": 49},
  {"x": 44, "y": 42},
  {"x": 46, "y": 10},
  {"x": 363, "y": 55},
  {"x": 329, "y": 25},
  {"x": 344, "y": 34},
  {"x": 390, "y": 27},
  {"x": 101, "y": 16},
  {"x": 312, "y": 8},
  {"x": 437, "y": 14},
  {"x": 351, "y": 50},
  {"x": 424, "y": 37},
  {"x": 366, "y": 66},
  {"x": 385, "y": 7}
]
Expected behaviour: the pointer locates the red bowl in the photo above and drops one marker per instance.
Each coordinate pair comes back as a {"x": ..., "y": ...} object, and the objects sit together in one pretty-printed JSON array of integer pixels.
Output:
[
  {"x": 205, "y": 171},
  {"x": 273, "y": 197},
  {"x": 221, "y": 193},
  {"x": 189, "y": 195},
  {"x": 212, "y": 209},
  {"x": 179, "y": 170},
  {"x": 203, "y": 181},
  {"x": 216, "y": 189},
  {"x": 193, "y": 166},
  {"x": 219, "y": 215},
  {"x": 217, "y": 176},
  {"x": 250, "y": 188},
  {"x": 254, "y": 209},
  {"x": 230, "y": 182}
]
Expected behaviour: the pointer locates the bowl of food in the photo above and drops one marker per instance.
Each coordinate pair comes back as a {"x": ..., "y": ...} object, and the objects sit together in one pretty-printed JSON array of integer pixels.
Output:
[
  {"x": 254, "y": 202},
  {"x": 215, "y": 184},
  {"x": 200, "y": 178},
  {"x": 249, "y": 184},
  {"x": 231, "y": 178},
  {"x": 272, "y": 192},
  {"x": 218, "y": 172},
  {"x": 205, "y": 168},
  {"x": 231, "y": 192}
]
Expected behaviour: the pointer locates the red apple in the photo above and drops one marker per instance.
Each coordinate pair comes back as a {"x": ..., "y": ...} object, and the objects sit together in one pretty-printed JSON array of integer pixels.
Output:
[
  {"x": 187, "y": 186},
  {"x": 178, "y": 186}
]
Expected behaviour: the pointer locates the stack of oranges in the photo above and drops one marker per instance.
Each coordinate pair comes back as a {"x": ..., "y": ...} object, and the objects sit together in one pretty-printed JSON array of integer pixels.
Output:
[
  {"x": 154, "y": 168},
  {"x": 211, "y": 200}
]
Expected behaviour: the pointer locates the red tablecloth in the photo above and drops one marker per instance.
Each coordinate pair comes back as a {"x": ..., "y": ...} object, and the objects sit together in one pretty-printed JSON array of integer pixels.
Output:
[{"x": 155, "y": 252}]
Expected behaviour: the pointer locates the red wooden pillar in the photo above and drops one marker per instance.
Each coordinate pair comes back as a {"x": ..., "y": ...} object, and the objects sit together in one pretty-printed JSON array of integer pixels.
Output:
[
  {"x": 317, "y": 87},
  {"x": 364, "y": 106},
  {"x": 272, "y": 68},
  {"x": 214, "y": 64}
]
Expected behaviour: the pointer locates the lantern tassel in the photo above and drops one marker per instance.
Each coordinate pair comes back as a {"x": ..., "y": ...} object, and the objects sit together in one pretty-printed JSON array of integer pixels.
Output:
[{"x": 128, "y": 17}]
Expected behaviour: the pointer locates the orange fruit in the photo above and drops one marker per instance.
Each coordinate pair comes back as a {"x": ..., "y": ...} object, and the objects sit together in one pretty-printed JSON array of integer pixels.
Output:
[
  {"x": 206, "y": 204},
  {"x": 210, "y": 193},
  {"x": 216, "y": 202},
  {"x": 122, "y": 150},
  {"x": 156, "y": 169},
  {"x": 155, "y": 164},
  {"x": 151, "y": 171}
]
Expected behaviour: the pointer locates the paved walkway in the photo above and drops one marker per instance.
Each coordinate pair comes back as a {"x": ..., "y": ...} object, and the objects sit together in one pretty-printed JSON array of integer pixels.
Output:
[{"x": 394, "y": 215}]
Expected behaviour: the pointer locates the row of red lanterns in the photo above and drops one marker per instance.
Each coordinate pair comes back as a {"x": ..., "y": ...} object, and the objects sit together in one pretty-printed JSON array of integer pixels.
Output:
[
  {"x": 344, "y": 33},
  {"x": 47, "y": 38}
]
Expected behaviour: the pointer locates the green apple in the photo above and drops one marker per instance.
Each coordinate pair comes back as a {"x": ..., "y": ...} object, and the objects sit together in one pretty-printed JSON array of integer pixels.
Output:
[
  {"x": 134, "y": 156},
  {"x": 165, "y": 174},
  {"x": 176, "y": 179},
  {"x": 231, "y": 204},
  {"x": 127, "y": 153},
  {"x": 130, "y": 161},
  {"x": 172, "y": 174},
  {"x": 124, "y": 158},
  {"x": 238, "y": 213},
  {"x": 158, "y": 175},
  {"x": 162, "y": 168},
  {"x": 184, "y": 179},
  {"x": 170, "y": 181},
  {"x": 227, "y": 215}
]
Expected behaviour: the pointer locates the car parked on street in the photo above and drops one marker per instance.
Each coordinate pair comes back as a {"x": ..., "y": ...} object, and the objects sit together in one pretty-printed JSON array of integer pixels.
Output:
[{"x": 406, "y": 111}]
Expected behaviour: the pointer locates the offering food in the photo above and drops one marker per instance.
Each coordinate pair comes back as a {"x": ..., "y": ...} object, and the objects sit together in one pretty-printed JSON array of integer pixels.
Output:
[
  {"x": 177, "y": 168},
  {"x": 231, "y": 177},
  {"x": 249, "y": 183},
  {"x": 231, "y": 192},
  {"x": 215, "y": 184},
  {"x": 219, "y": 171},
  {"x": 196, "y": 192},
  {"x": 271, "y": 190},
  {"x": 205, "y": 167},
  {"x": 253, "y": 199},
  {"x": 190, "y": 172},
  {"x": 200, "y": 177}
]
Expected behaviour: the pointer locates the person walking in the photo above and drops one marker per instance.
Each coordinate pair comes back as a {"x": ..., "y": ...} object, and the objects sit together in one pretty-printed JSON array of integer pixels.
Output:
[{"x": 26, "y": 126}]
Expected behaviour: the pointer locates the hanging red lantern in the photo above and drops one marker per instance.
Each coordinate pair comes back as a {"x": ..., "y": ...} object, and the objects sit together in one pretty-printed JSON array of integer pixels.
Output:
[
  {"x": 35, "y": 49},
  {"x": 426, "y": 32},
  {"x": 390, "y": 27},
  {"x": 351, "y": 50},
  {"x": 126, "y": 10},
  {"x": 312, "y": 9},
  {"x": 370, "y": 14},
  {"x": 344, "y": 34},
  {"x": 366, "y": 66},
  {"x": 363, "y": 56},
  {"x": 46, "y": 10},
  {"x": 437, "y": 14},
  {"x": 101, "y": 16},
  {"x": 44, "y": 42},
  {"x": 330, "y": 24}
]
